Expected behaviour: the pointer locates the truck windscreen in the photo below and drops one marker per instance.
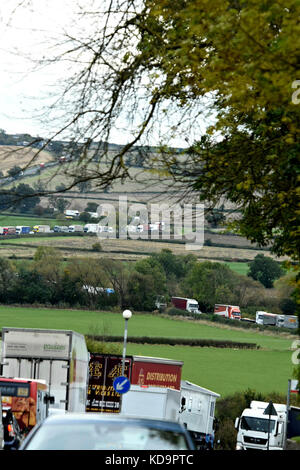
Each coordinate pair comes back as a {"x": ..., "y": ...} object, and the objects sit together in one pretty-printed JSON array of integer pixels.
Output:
[
  {"x": 13, "y": 389},
  {"x": 250, "y": 423}
]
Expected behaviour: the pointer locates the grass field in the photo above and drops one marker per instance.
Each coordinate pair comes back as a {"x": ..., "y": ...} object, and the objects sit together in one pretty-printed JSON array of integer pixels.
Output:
[
  {"x": 15, "y": 220},
  {"x": 224, "y": 371},
  {"x": 239, "y": 267}
]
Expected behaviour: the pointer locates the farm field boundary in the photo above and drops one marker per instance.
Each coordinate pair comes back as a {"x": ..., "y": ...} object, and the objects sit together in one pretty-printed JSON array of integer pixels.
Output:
[{"x": 177, "y": 341}]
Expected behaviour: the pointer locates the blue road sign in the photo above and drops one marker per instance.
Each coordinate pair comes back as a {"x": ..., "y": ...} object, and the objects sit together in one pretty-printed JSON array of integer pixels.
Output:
[{"x": 121, "y": 384}]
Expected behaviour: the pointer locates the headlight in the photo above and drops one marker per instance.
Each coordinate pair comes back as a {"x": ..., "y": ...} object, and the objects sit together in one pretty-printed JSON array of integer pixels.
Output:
[{"x": 238, "y": 447}]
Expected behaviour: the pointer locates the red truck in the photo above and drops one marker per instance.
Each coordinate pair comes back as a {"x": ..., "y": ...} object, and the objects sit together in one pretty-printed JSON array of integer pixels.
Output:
[
  {"x": 141, "y": 370},
  {"x": 189, "y": 305},
  {"x": 228, "y": 311},
  {"x": 9, "y": 231}
]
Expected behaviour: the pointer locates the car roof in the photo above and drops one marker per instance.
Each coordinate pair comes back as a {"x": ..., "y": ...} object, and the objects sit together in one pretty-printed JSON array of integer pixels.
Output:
[{"x": 98, "y": 417}]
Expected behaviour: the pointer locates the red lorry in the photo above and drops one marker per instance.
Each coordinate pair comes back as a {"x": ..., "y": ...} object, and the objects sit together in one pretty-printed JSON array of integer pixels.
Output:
[
  {"x": 141, "y": 370},
  {"x": 228, "y": 311}
]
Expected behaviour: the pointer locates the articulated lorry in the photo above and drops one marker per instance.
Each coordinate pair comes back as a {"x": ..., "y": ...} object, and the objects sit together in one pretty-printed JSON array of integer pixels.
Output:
[
  {"x": 22, "y": 229},
  {"x": 259, "y": 430},
  {"x": 60, "y": 357},
  {"x": 189, "y": 305},
  {"x": 228, "y": 311}
]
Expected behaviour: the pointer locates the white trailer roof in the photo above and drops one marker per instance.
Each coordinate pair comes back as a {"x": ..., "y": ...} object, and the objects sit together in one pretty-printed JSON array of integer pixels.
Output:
[{"x": 186, "y": 385}]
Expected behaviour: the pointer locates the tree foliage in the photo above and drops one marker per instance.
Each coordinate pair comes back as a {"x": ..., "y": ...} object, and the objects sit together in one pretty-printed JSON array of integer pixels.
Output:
[{"x": 265, "y": 270}]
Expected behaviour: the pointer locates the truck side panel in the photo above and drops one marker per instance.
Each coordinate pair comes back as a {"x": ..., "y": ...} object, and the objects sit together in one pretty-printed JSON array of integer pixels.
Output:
[{"x": 79, "y": 374}]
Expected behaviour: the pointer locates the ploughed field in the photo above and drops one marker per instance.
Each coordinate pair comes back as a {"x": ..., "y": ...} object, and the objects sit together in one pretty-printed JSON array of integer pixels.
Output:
[
  {"x": 223, "y": 370},
  {"x": 129, "y": 249}
]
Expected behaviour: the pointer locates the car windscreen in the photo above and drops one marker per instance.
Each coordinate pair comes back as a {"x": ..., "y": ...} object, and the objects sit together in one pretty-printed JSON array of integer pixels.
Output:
[
  {"x": 105, "y": 436},
  {"x": 251, "y": 423}
]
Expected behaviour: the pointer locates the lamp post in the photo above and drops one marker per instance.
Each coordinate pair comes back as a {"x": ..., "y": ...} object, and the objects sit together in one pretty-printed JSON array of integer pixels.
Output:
[{"x": 127, "y": 314}]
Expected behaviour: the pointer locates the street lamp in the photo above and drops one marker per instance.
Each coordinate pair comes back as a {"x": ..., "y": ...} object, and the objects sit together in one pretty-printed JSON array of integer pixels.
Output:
[{"x": 126, "y": 315}]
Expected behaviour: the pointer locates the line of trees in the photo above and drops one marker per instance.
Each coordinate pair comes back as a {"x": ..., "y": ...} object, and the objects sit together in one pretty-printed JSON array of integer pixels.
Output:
[{"x": 51, "y": 280}]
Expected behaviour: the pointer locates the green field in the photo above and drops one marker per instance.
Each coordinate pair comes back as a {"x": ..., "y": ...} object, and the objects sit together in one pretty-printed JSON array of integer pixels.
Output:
[
  {"x": 224, "y": 371},
  {"x": 15, "y": 220},
  {"x": 239, "y": 268}
]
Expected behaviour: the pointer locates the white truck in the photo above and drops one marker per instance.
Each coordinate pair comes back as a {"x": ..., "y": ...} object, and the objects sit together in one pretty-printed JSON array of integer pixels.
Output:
[
  {"x": 60, "y": 357},
  {"x": 183, "y": 303},
  {"x": 41, "y": 229},
  {"x": 91, "y": 228},
  {"x": 75, "y": 228},
  {"x": 192, "y": 405},
  {"x": 287, "y": 321},
  {"x": 265, "y": 318},
  {"x": 257, "y": 430}
]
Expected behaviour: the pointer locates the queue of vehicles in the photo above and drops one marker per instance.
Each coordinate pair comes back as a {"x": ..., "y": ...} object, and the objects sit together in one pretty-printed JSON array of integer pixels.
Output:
[{"x": 50, "y": 372}]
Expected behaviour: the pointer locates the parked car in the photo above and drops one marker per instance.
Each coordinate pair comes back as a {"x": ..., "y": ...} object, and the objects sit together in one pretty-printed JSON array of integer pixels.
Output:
[
  {"x": 12, "y": 432},
  {"x": 100, "y": 431}
]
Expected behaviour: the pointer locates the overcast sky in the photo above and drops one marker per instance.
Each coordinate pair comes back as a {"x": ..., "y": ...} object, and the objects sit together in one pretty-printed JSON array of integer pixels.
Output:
[
  {"x": 29, "y": 29},
  {"x": 26, "y": 34}
]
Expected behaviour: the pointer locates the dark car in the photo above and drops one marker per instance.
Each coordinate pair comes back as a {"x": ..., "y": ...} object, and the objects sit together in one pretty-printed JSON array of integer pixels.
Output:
[
  {"x": 100, "y": 431},
  {"x": 12, "y": 432}
]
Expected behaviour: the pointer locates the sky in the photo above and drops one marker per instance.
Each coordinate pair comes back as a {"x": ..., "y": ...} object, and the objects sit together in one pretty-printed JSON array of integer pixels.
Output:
[{"x": 28, "y": 31}]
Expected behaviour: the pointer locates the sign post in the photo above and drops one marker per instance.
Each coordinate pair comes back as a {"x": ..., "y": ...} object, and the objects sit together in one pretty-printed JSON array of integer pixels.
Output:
[{"x": 270, "y": 410}]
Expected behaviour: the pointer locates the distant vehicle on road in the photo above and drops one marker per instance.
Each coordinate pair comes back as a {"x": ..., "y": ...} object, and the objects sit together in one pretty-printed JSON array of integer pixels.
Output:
[
  {"x": 228, "y": 311},
  {"x": 265, "y": 318},
  {"x": 41, "y": 228},
  {"x": 95, "y": 431},
  {"x": 189, "y": 305},
  {"x": 287, "y": 321},
  {"x": 22, "y": 230}
]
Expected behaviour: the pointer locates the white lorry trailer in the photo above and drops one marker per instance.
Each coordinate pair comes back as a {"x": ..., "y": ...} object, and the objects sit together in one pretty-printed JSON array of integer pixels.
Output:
[
  {"x": 151, "y": 402},
  {"x": 192, "y": 405},
  {"x": 60, "y": 357},
  {"x": 257, "y": 430},
  {"x": 287, "y": 321},
  {"x": 198, "y": 412},
  {"x": 183, "y": 303}
]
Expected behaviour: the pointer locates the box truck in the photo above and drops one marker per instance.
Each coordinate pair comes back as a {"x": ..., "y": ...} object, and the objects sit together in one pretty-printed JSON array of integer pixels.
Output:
[
  {"x": 60, "y": 357},
  {"x": 189, "y": 305},
  {"x": 9, "y": 230},
  {"x": 257, "y": 429},
  {"x": 192, "y": 406},
  {"x": 228, "y": 311},
  {"x": 91, "y": 228},
  {"x": 22, "y": 230},
  {"x": 41, "y": 228},
  {"x": 141, "y": 370},
  {"x": 287, "y": 321},
  {"x": 75, "y": 228},
  {"x": 265, "y": 318}
]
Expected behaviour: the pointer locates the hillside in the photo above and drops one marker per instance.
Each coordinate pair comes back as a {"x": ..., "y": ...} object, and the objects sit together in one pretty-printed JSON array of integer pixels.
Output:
[{"x": 11, "y": 156}]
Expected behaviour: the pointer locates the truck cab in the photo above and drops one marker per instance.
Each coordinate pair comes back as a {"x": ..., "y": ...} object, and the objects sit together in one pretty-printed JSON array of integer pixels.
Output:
[{"x": 255, "y": 431}]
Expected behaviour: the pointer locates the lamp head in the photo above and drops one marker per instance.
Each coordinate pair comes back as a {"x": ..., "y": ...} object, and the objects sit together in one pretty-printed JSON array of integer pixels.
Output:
[{"x": 127, "y": 314}]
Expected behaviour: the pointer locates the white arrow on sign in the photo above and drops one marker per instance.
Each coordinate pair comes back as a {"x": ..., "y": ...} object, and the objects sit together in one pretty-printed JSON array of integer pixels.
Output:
[{"x": 120, "y": 385}]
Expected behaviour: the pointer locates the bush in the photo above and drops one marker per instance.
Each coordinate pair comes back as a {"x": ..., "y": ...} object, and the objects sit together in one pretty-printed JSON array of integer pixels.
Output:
[{"x": 97, "y": 247}]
